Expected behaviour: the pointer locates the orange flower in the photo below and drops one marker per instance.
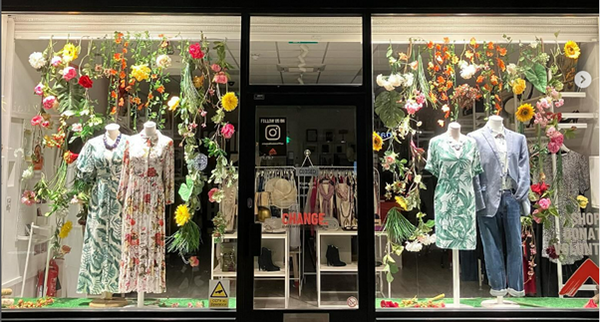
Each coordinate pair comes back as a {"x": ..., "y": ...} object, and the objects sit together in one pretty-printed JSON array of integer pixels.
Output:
[
  {"x": 490, "y": 45},
  {"x": 500, "y": 63},
  {"x": 160, "y": 89},
  {"x": 122, "y": 74},
  {"x": 440, "y": 79},
  {"x": 487, "y": 87},
  {"x": 113, "y": 110},
  {"x": 121, "y": 102},
  {"x": 130, "y": 99},
  {"x": 501, "y": 51},
  {"x": 469, "y": 54},
  {"x": 150, "y": 96},
  {"x": 137, "y": 100},
  {"x": 124, "y": 50},
  {"x": 489, "y": 53},
  {"x": 494, "y": 80},
  {"x": 140, "y": 107},
  {"x": 479, "y": 79},
  {"x": 445, "y": 48},
  {"x": 113, "y": 94},
  {"x": 117, "y": 56},
  {"x": 122, "y": 83},
  {"x": 449, "y": 84},
  {"x": 430, "y": 45},
  {"x": 436, "y": 68},
  {"x": 498, "y": 108},
  {"x": 113, "y": 71},
  {"x": 478, "y": 55},
  {"x": 126, "y": 44},
  {"x": 438, "y": 47},
  {"x": 154, "y": 76},
  {"x": 161, "y": 35},
  {"x": 444, "y": 97},
  {"x": 446, "y": 40}
]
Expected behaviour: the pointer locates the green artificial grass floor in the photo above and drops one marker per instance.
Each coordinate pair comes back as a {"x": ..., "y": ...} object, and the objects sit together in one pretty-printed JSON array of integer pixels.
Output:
[{"x": 525, "y": 302}]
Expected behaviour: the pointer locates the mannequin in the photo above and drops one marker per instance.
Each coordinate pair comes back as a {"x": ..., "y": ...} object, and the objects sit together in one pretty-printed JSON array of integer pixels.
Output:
[
  {"x": 454, "y": 130},
  {"x": 150, "y": 130},
  {"x": 505, "y": 160}
]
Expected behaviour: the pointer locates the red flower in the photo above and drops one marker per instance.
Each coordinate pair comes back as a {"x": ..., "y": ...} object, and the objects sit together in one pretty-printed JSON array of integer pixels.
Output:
[
  {"x": 539, "y": 188},
  {"x": 70, "y": 157},
  {"x": 132, "y": 222},
  {"x": 147, "y": 198},
  {"x": 196, "y": 51},
  {"x": 194, "y": 261},
  {"x": 85, "y": 81},
  {"x": 161, "y": 222},
  {"x": 158, "y": 237},
  {"x": 152, "y": 172}
]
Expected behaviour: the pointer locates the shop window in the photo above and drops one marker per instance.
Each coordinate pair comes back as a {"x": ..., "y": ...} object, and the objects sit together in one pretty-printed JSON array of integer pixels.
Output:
[{"x": 457, "y": 233}]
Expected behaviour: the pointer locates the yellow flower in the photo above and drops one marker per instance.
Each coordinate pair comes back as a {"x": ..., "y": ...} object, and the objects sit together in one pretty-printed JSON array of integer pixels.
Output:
[
  {"x": 572, "y": 50},
  {"x": 69, "y": 52},
  {"x": 182, "y": 215},
  {"x": 198, "y": 81},
  {"x": 140, "y": 72},
  {"x": 173, "y": 103},
  {"x": 229, "y": 101},
  {"x": 401, "y": 202},
  {"x": 582, "y": 201},
  {"x": 65, "y": 229},
  {"x": 524, "y": 113},
  {"x": 518, "y": 86},
  {"x": 377, "y": 142}
]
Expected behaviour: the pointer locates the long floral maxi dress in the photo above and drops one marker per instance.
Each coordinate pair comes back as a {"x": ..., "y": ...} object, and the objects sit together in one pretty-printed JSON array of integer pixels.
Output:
[
  {"x": 99, "y": 270},
  {"x": 146, "y": 187},
  {"x": 455, "y": 164}
]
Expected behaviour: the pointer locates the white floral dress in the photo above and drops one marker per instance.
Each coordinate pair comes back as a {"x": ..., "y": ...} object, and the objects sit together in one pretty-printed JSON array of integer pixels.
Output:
[{"x": 147, "y": 185}]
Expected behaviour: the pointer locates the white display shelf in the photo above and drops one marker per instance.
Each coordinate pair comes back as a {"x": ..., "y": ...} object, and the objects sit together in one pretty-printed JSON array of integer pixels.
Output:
[
  {"x": 280, "y": 273},
  {"x": 264, "y": 236},
  {"x": 573, "y": 94},
  {"x": 337, "y": 232},
  {"x": 350, "y": 267},
  {"x": 568, "y": 115}
]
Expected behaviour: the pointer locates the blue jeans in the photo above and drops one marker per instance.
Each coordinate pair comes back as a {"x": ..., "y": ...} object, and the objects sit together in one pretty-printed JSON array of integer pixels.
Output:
[{"x": 504, "y": 227}]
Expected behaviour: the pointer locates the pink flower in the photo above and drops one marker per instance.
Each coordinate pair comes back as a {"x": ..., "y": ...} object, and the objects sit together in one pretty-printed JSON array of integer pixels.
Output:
[
  {"x": 37, "y": 120},
  {"x": 386, "y": 166},
  {"x": 420, "y": 99},
  {"x": 412, "y": 107},
  {"x": 203, "y": 113},
  {"x": 56, "y": 60},
  {"x": 49, "y": 102},
  {"x": 211, "y": 194},
  {"x": 390, "y": 159},
  {"x": 46, "y": 124},
  {"x": 76, "y": 127},
  {"x": 544, "y": 203},
  {"x": 559, "y": 103},
  {"x": 39, "y": 89},
  {"x": 69, "y": 73},
  {"x": 196, "y": 51},
  {"x": 550, "y": 131},
  {"x": 194, "y": 262},
  {"x": 556, "y": 142},
  {"x": 227, "y": 130},
  {"x": 220, "y": 78},
  {"x": 215, "y": 67}
]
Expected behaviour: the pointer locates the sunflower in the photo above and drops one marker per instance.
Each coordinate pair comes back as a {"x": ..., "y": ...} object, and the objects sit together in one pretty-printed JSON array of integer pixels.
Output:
[
  {"x": 524, "y": 113},
  {"x": 182, "y": 215},
  {"x": 69, "y": 52},
  {"x": 518, "y": 86},
  {"x": 229, "y": 101},
  {"x": 401, "y": 202},
  {"x": 65, "y": 229},
  {"x": 572, "y": 50},
  {"x": 377, "y": 142}
]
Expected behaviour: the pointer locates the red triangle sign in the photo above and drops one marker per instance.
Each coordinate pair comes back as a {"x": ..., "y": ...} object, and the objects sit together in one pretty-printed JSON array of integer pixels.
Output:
[{"x": 588, "y": 269}]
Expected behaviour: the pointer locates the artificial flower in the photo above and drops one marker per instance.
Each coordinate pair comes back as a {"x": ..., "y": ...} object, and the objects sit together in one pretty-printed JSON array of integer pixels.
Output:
[
  {"x": 196, "y": 51},
  {"x": 401, "y": 201},
  {"x": 28, "y": 197},
  {"x": 409, "y": 79},
  {"x": 65, "y": 229},
  {"x": 556, "y": 143},
  {"x": 377, "y": 142},
  {"x": 56, "y": 61},
  {"x": 441, "y": 123},
  {"x": 551, "y": 252},
  {"x": 412, "y": 106},
  {"x": 395, "y": 80},
  {"x": 37, "y": 120},
  {"x": 582, "y": 201},
  {"x": 539, "y": 188},
  {"x": 194, "y": 262},
  {"x": 524, "y": 113},
  {"x": 49, "y": 102},
  {"x": 198, "y": 81},
  {"x": 220, "y": 78},
  {"x": 85, "y": 81},
  {"x": 70, "y": 157},
  {"x": 182, "y": 215},
  {"x": 414, "y": 65},
  {"x": 39, "y": 89},
  {"x": 559, "y": 102},
  {"x": 69, "y": 53},
  {"x": 37, "y": 60},
  {"x": 215, "y": 195},
  {"x": 76, "y": 127},
  {"x": 227, "y": 130},
  {"x": 163, "y": 61},
  {"x": 215, "y": 67},
  {"x": 173, "y": 103},
  {"x": 511, "y": 69},
  {"x": 467, "y": 71},
  {"x": 572, "y": 50},
  {"x": 140, "y": 72},
  {"x": 426, "y": 239},
  {"x": 65, "y": 249},
  {"x": 69, "y": 73},
  {"x": 229, "y": 101},
  {"x": 27, "y": 173},
  {"x": 45, "y": 124},
  {"x": 75, "y": 200},
  {"x": 518, "y": 86},
  {"x": 413, "y": 246},
  {"x": 544, "y": 203}
]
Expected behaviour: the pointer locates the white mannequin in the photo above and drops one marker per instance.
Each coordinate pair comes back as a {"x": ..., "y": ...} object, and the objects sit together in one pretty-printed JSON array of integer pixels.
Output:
[
  {"x": 495, "y": 122},
  {"x": 112, "y": 133},
  {"x": 149, "y": 128},
  {"x": 454, "y": 130}
]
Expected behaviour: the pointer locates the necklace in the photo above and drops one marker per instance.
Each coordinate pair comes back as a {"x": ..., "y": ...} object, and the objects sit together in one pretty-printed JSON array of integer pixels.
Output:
[{"x": 111, "y": 147}]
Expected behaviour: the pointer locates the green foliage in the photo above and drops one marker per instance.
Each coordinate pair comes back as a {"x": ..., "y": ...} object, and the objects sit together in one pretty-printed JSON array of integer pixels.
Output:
[
  {"x": 538, "y": 77},
  {"x": 397, "y": 227},
  {"x": 185, "y": 240},
  {"x": 389, "y": 109}
]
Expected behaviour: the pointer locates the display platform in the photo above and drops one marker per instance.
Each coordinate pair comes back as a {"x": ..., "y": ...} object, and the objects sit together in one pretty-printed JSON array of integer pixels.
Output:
[{"x": 524, "y": 302}]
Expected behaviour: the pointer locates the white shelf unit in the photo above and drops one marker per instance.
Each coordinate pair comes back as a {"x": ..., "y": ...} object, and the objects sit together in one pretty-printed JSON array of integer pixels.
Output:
[
  {"x": 342, "y": 239},
  {"x": 279, "y": 245}
]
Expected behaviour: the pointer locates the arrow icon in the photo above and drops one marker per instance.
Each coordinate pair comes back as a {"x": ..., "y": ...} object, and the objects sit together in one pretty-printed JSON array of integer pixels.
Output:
[{"x": 583, "y": 79}]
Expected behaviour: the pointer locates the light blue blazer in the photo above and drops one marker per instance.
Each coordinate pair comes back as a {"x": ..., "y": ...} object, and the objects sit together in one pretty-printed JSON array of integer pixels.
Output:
[{"x": 488, "y": 185}]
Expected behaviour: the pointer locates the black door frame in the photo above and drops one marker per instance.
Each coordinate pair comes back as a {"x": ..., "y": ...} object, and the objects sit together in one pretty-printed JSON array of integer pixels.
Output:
[{"x": 357, "y": 95}]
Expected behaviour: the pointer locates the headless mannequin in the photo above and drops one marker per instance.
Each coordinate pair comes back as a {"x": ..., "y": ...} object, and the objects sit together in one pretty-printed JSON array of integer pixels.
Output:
[
  {"x": 106, "y": 299},
  {"x": 495, "y": 123},
  {"x": 454, "y": 133},
  {"x": 149, "y": 128}
]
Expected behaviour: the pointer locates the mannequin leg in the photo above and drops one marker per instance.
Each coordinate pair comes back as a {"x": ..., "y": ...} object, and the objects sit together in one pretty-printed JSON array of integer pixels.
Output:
[
  {"x": 493, "y": 251},
  {"x": 514, "y": 251}
]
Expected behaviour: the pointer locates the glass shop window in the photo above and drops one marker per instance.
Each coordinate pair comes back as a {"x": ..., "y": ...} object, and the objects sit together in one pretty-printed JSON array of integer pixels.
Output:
[
  {"x": 486, "y": 139},
  {"x": 121, "y": 160}
]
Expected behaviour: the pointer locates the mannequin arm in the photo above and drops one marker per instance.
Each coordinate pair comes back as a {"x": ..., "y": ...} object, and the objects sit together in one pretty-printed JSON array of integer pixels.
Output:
[{"x": 524, "y": 181}]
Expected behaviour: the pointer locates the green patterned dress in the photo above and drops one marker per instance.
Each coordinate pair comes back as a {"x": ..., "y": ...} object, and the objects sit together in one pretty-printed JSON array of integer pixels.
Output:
[
  {"x": 99, "y": 271},
  {"x": 455, "y": 164}
]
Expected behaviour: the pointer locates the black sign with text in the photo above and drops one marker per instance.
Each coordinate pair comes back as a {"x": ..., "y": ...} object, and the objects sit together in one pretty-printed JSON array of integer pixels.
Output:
[{"x": 272, "y": 136}]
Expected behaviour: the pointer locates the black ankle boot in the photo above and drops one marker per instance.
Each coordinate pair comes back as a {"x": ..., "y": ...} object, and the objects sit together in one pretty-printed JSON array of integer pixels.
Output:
[
  {"x": 265, "y": 261},
  {"x": 333, "y": 256}
]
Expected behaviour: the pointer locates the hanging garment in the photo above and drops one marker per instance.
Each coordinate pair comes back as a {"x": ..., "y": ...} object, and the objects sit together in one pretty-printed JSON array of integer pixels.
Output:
[
  {"x": 146, "y": 186},
  {"x": 344, "y": 205},
  {"x": 455, "y": 164},
  {"x": 96, "y": 164},
  {"x": 229, "y": 206},
  {"x": 283, "y": 192},
  {"x": 326, "y": 192},
  {"x": 576, "y": 181}
]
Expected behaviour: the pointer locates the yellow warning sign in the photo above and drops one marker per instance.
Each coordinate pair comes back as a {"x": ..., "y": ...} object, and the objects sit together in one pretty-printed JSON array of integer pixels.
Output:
[
  {"x": 218, "y": 303},
  {"x": 219, "y": 291}
]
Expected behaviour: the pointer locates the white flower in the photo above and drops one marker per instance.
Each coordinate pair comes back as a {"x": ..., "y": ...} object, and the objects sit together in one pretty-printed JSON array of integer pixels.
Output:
[
  {"x": 380, "y": 80},
  {"x": 544, "y": 57},
  {"x": 389, "y": 87},
  {"x": 413, "y": 246},
  {"x": 396, "y": 80},
  {"x": 27, "y": 173},
  {"x": 533, "y": 44},
  {"x": 468, "y": 71},
  {"x": 408, "y": 79},
  {"x": 76, "y": 127},
  {"x": 163, "y": 61},
  {"x": 37, "y": 60},
  {"x": 462, "y": 64},
  {"x": 427, "y": 239},
  {"x": 511, "y": 69}
]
